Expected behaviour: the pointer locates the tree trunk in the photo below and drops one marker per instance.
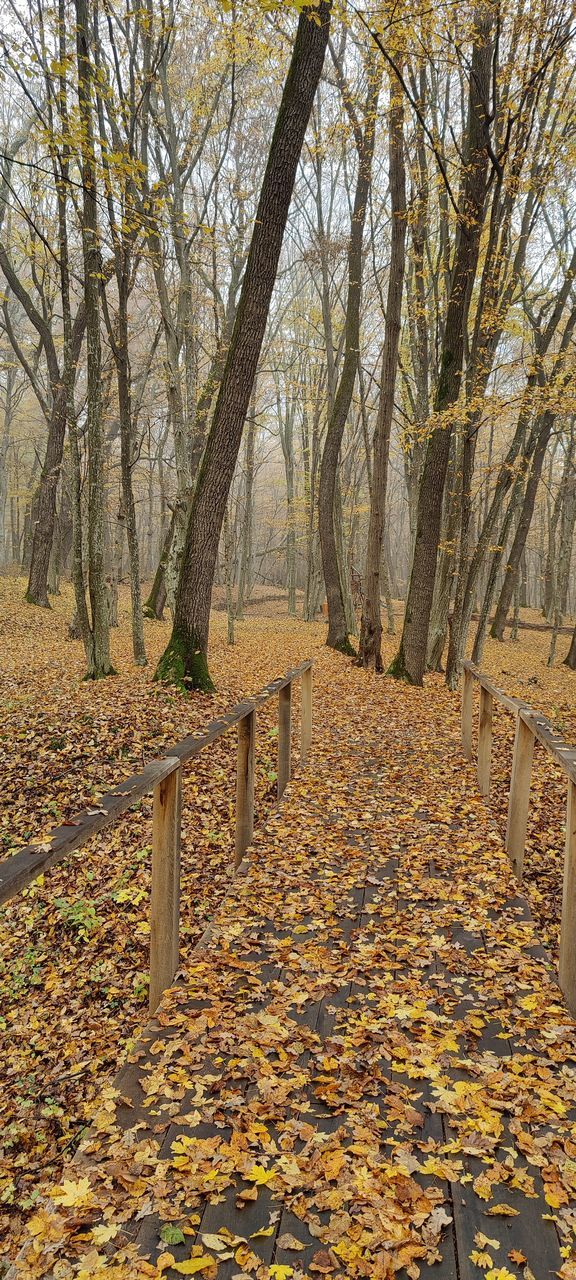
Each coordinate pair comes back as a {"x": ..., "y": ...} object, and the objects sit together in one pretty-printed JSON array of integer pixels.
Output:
[
  {"x": 122, "y": 359},
  {"x": 410, "y": 661},
  {"x": 570, "y": 659},
  {"x": 245, "y": 574},
  {"x": 99, "y": 661},
  {"x": 337, "y": 622},
  {"x": 519, "y": 543},
  {"x": 185, "y": 661},
  {"x": 371, "y": 625},
  {"x": 44, "y": 507}
]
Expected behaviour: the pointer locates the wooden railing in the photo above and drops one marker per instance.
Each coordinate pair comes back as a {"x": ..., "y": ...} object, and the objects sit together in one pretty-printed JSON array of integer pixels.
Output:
[
  {"x": 531, "y": 727},
  {"x": 163, "y": 778}
]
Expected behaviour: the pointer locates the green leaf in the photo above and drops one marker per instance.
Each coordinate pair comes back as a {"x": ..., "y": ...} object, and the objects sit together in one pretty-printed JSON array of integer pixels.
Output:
[{"x": 170, "y": 1234}]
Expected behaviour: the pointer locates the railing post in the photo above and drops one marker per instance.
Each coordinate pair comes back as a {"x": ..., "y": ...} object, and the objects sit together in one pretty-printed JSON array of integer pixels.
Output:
[
  {"x": 567, "y": 969},
  {"x": 306, "y": 714},
  {"x": 484, "y": 741},
  {"x": 519, "y": 795},
  {"x": 284, "y": 737},
  {"x": 245, "y": 785},
  {"x": 165, "y": 898},
  {"x": 467, "y": 692}
]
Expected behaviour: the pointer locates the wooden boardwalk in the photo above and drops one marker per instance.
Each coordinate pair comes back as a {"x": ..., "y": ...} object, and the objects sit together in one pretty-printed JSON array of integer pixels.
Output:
[{"x": 367, "y": 1071}]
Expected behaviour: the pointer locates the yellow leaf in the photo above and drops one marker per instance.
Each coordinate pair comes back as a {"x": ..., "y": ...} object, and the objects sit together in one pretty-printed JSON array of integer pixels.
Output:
[
  {"x": 102, "y": 1234},
  {"x": 194, "y": 1265},
  {"x": 260, "y": 1176},
  {"x": 72, "y": 1193},
  {"x": 502, "y": 1210},
  {"x": 281, "y": 1273},
  {"x": 480, "y": 1259},
  {"x": 555, "y": 1197},
  {"x": 214, "y": 1242},
  {"x": 485, "y": 1242},
  {"x": 262, "y": 1233}
]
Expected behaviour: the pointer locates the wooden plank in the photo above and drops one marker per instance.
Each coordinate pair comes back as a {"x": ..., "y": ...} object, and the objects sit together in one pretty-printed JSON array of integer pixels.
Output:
[
  {"x": 284, "y": 737},
  {"x": 306, "y": 714},
  {"x": 467, "y": 709},
  {"x": 245, "y": 785},
  {"x": 519, "y": 797},
  {"x": 484, "y": 741},
  {"x": 567, "y": 969},
  {"x": 561, "y": 751},
  {"x": 505, "y": 699},
  {"x": 165, "y": 898},
  {"x": 28, "y": 863},
  {"x": 191, "y": 746}
]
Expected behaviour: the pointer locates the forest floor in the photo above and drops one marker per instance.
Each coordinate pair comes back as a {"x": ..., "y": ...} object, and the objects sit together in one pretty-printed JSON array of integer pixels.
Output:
[{"x": 73, "y": 949}]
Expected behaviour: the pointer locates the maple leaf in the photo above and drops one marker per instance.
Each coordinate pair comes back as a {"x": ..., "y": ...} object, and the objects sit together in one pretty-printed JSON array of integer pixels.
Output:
[
  {"x": 103, "y": 1234},
  {"x": 279, "y": 1272},
  {"x": 499, "y": 1273},
  {"x": 72, "y": 1194},
  {"x": 260, "y": 1176}
]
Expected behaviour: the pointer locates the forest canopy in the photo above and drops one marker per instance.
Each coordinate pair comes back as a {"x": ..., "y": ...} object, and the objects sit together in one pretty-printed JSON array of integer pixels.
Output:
[{"x": 288, "y": 299}]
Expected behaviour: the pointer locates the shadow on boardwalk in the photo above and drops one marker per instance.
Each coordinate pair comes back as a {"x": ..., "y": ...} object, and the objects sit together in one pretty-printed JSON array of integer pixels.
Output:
[{"x": 368, "y": 1071}]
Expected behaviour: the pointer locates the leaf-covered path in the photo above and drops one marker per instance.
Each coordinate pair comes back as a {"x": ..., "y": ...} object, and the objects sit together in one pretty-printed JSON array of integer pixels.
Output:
[{"x": 367, "y": 1069}]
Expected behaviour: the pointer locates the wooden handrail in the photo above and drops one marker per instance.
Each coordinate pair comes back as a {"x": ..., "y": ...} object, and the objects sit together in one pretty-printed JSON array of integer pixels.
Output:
[
  {"x": 531, "y": 726},
  {"x": 163, "y": 778}
]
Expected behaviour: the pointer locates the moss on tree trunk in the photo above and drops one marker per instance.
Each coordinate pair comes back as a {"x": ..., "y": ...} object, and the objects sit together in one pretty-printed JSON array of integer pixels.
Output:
[{"x": 184, "y": 663}]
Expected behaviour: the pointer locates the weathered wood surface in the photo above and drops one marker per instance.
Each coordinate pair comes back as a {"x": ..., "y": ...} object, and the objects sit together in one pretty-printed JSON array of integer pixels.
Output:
[
  {"x": 567, "y": 969},
  {"x": 564, "y": 753},
  {"x": 354, "y": 1022},
  {"x": 165, "y": 896},
  {"x": 28, "y": 863},
  {"x": 519, "y": 799},
  {"x": 245, "y": 784}
]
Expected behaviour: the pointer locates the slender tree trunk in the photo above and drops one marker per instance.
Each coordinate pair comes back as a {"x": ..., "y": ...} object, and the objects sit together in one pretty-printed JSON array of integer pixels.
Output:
[
  {"x": 519, "y": 542},
  {"x": 337, "y": 621},
  {"x": 99, "y": 663},
  {"x": 185, "y": 661},
  {"x": 370, "y": 651},
  {"x": 122, "y": 358},
  {"x": 228, "y": 574},
  {"x": 493, "y": 572},
  {"x": 410, "y": 661},
  {"x": 245, "y": 575},
  {"x": 445, "y": 570}
]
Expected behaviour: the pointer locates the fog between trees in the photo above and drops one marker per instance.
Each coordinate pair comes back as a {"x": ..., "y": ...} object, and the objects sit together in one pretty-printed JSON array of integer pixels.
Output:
[{"x": 288, "y": 303}]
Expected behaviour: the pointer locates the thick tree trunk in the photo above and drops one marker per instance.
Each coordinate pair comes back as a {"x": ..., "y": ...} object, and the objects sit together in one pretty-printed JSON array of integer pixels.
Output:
[
  {"x": 371, "y": 625},
  {"x": 410, "y": 661},
  {"x": 185, "y": 661}
]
